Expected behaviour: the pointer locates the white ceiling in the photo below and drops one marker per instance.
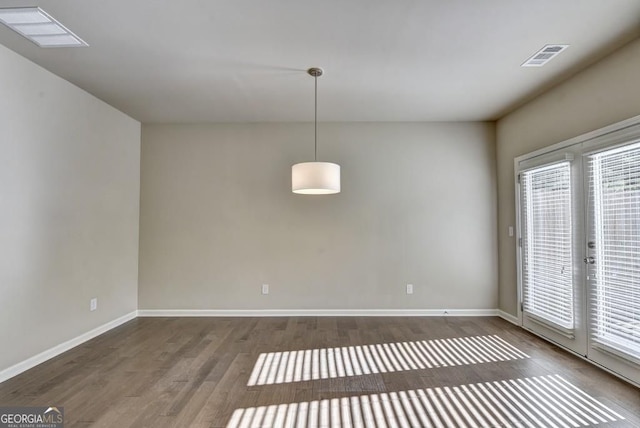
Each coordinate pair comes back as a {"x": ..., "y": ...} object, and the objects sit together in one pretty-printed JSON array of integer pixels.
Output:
[{"x": 384, "y": 60}]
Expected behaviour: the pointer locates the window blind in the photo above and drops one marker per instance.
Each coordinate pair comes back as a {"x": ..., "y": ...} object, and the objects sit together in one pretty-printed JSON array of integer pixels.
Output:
[
  {"x": 615, "y": 190},
  {"x": 546, "y": 245}
]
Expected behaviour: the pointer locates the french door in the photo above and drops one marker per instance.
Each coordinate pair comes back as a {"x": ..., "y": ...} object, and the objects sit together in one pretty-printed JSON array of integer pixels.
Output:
[
  {"x": 579, "y": 248},
  {"x": 552, "y": 302},
  {"x": 612, "y": 257}
]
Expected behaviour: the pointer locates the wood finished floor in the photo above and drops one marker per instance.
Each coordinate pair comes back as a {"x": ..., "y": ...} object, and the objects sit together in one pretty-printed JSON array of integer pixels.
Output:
[{"x": 193, "y": 372}]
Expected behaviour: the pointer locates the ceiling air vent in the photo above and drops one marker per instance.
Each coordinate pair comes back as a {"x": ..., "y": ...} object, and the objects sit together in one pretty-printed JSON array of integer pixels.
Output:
[
  {"x": 544, "y": 55},
  {"x": 38, "y": 26}
]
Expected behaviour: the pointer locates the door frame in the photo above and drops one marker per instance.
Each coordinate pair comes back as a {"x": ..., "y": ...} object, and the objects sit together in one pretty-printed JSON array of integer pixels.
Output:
[{"x": 585, "y": 143}]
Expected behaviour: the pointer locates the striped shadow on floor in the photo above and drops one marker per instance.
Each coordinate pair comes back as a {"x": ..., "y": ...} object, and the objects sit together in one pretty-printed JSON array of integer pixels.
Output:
[
  {"x": 540, "y": 402},
  {"x": 314, "y": 364}
]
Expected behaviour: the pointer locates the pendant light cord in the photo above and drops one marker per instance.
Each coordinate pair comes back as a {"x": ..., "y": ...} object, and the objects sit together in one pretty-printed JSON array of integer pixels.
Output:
[{"x": 315, "y": 154}]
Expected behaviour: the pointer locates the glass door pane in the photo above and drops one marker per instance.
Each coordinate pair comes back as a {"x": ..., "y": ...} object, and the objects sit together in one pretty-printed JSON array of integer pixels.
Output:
[{"x": 548, "y": 274}]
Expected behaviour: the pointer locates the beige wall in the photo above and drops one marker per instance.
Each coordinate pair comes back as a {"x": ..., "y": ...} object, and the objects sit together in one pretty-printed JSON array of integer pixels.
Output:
[
  {"x": 218, "y": 219},
  {"x": 600, "y": 95},
  {"x": 69, "y": 198}
]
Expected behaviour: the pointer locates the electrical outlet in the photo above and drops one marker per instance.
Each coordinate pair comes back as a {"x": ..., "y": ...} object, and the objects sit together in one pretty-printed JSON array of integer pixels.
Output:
[
  {"x": 511, "y": 231},
  {"x": 265, "y": 288},
  {"x": 93, "y": 304},
  {"x": 409, "y": 288}
]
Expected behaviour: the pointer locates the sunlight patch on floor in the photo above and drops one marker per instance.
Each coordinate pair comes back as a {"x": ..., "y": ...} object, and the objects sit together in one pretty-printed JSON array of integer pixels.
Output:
[
  {"x": 315, "y": 364},
  {"x": 541, "y": 402}
]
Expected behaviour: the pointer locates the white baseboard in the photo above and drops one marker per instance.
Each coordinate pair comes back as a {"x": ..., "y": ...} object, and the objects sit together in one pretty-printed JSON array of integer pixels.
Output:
[
  {"x": 63, "y": 347},
  {"x": 508, "y": 317},
  {"x": 316, "y": 312}
]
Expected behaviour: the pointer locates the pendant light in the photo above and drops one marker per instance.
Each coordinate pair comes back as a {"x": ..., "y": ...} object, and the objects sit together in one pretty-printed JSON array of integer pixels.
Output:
[{"x": 315, "y": 178}]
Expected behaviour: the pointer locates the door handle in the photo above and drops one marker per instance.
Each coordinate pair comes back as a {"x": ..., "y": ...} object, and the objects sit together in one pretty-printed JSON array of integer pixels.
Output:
[{"x": 589, "y": 260}]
